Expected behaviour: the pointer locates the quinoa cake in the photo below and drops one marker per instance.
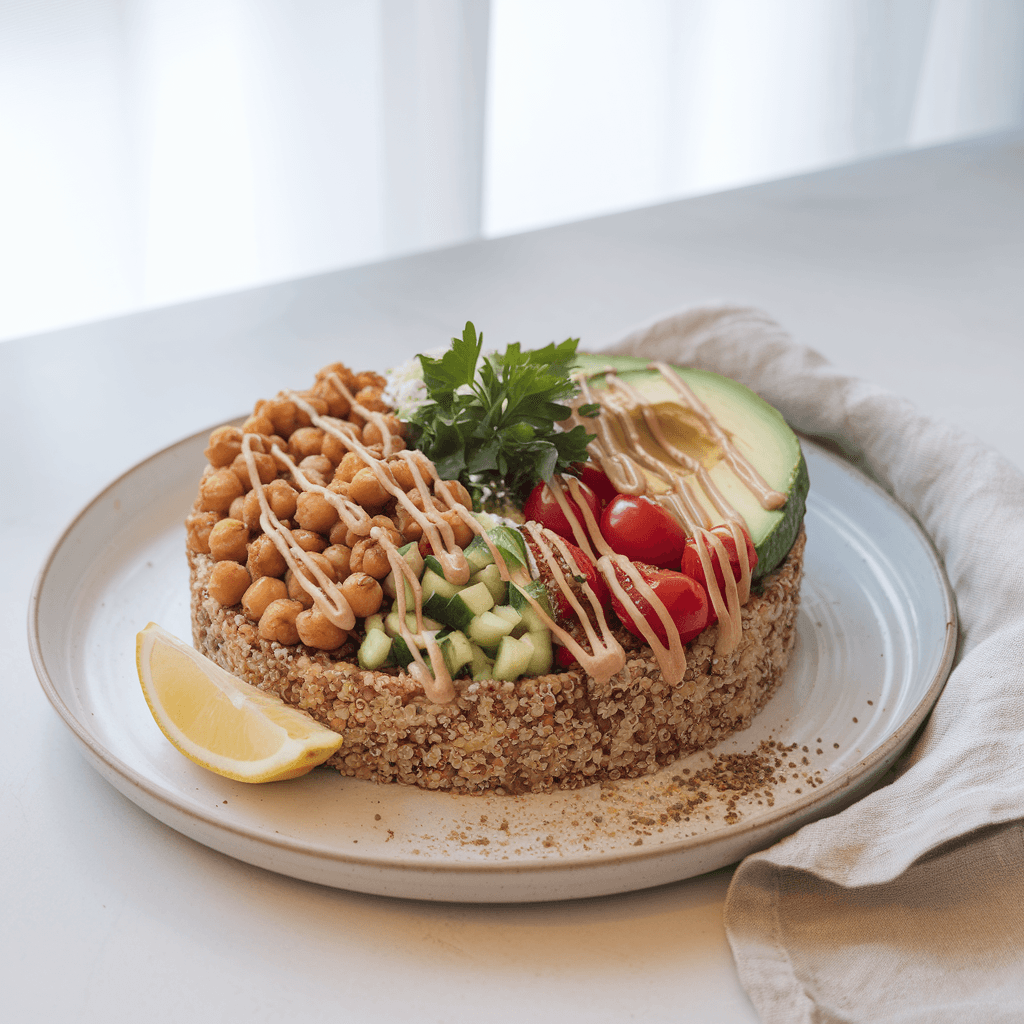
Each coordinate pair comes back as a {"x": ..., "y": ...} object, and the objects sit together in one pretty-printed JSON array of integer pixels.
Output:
[{"x": 316, "y": 515}]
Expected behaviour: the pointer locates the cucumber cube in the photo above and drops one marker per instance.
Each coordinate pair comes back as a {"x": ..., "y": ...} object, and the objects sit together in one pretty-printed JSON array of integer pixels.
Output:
[
  {"x": 375, "y": 649},
  {"x": 491, "y": 576},
  {"x": 466, "y": 605},
  {"x": 542, "y": 657},
  {"x": 478, "y": 554},
  {"x": 513, "y": 658},
  {"x": 457, "y": 651},
  {"x": 487, "y": 629}
]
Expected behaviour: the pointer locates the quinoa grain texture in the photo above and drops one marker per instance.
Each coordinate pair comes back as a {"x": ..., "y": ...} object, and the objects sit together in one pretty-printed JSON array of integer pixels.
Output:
[{"x": 557, "y": 731}]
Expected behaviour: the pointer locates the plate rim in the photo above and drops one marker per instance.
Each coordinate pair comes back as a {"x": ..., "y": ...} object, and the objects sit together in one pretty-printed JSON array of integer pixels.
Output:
[{"x": 848, "y": 779}]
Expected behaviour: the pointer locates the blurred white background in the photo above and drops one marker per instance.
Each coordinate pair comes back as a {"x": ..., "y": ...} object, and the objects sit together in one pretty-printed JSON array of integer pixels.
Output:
[{"x": 153, "y": 151}]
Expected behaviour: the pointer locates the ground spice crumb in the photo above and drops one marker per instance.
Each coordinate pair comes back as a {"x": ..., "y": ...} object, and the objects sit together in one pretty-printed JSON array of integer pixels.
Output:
[
  {"x": 376, "y": 817},
  {"x": 836, "y": 745},
  {"x": 871, "y": 702},
  {"x": 855, "y": 719}
]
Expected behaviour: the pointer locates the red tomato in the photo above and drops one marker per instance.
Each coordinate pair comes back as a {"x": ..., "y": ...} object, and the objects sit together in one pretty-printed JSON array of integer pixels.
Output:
[
  {"x": 639, "y": 528},
  {"x": 691, "y": 560},
  {"x": 684, "y": 599},
  {"x": 596, "y": 480},
  {"x": 564, "y": 658},
  {"x": 542, "y": 508},
  {"x": 587, "y": 568}
]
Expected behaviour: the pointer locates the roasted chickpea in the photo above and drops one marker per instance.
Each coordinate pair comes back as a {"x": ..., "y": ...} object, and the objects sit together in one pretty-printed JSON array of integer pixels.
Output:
[
  {"x": 317, "y": 464},
  {"x": 309, "y": 541},
  {"x": 260, "y": 594},
  {"x": 228, "y": 583},
  {"x": 348, "y": 467},
  {"x": 402, "y": 473},
  {"x": 306, "y": 441},
  {"x": 369, "y": 556},
  {"x": 337, "y": 404},
  {"x": 366, "y": 490},
  {"x": 237, "y": 509},
  {"x": 368, "y": 379},
  {"x": 334, "y": 448},
  {"x": 266, "y": 469},
  {"x": 197, "y": 531},
  {"x": 453, "y": 489},
  {"x": 372, "y": 434},
  {"x": 463, "y": 532},
  {"x": 278, "y": 622},
  {"x": 315, "y": 512},
  {"x": 363, "y": 593},
  {"x": 316, "y": 630},
  {"x": 282, "y": 498},
  {"x": 264, "y": 558},
  {"x": 283, "y": 414},
  {"x": 251, "y": 512},
  {"x": 258, "y": 424},
  {"x": 228, "y": 540},
  {"x": 296, "y": 591},
  {"x": 340, "y": 557},
  {"x": 354, "y": 536},
  {"x": 337, "y": 486},
  {"x": 339, "y": 531},
  {"x": 225, "y": 444},
  {"x": 407, "y": 525},
  {"x": 217, "y": 490}
]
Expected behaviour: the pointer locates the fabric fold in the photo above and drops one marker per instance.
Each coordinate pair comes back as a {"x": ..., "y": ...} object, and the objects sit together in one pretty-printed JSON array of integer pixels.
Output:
[{"x": 867, "y": 915}]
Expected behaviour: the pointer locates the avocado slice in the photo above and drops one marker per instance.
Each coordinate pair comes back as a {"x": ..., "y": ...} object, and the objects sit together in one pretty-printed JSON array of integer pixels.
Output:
[{"x": 756, "y": 428}]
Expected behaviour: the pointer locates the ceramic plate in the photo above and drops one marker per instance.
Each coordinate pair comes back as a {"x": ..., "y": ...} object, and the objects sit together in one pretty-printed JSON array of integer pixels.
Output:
[{"x": 876, "y": 635}]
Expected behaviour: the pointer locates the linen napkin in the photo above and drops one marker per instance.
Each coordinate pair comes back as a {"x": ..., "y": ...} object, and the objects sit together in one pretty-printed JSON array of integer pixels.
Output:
[{"x": 909, "y": 905}]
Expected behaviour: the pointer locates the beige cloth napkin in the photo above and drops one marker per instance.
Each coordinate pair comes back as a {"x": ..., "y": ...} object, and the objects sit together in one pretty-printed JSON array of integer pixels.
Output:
[{"x": 909, "y": 905}]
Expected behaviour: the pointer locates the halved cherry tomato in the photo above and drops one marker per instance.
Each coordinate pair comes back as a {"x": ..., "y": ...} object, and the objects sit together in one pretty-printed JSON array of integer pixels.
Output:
[
  {"x": 639, "y": 528},
  {"x": 564, "y": 658},
  {"x": 595, "y": 479},
  {"x": 542, "y": 508},
  {"x": 684, "y": 599},
  {"x": 691, "y": 559},
  {"x": 563, "y": 609}
]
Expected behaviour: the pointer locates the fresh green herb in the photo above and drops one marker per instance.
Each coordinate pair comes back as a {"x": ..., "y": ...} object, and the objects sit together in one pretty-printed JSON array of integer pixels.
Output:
[{"x": 491, "y": 422}]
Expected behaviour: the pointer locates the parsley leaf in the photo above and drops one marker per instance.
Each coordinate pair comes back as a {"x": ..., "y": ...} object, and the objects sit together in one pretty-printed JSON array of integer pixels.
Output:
[{"x": 491, "y": 422}]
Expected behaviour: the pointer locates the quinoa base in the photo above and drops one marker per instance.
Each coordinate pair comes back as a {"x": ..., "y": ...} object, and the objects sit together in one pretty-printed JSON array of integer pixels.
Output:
[{"x": 534, "y": 735}]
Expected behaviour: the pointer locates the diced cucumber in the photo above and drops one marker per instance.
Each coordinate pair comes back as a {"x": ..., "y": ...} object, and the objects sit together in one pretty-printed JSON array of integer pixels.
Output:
[
  {"x": 456, "y": 649},
  {"x": 401, "y": 652},
  {"x": 437, "y": 592},
  {"x": 513, "y": 658},
  {"x": 487, "y": 629},
  {"x": 491, "y": 575},
  {"x": 411, "y": 554},
  {"x": 375, "y": 649},
  {"x": 374, "y": 622},
  {"x": 466, "y": 605},
  {"x": 507, "y": 612},
  {"x": 516, "y": 598},
  {"x": 432, "y": 563},
  {"x": 510, "y": 543},
  {"x": 481, "y": 666},
  {"x": 478, "y": 554},
  {"x": 543, "y": 656},
  {"x": 392, "y": 628}
]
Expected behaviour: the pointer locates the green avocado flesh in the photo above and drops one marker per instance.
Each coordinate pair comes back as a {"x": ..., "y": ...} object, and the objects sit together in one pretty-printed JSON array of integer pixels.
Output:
[{"x": 756, "y": 428}]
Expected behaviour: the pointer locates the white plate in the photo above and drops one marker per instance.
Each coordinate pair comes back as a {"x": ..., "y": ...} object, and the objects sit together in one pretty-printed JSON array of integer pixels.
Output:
[{"x": 876, "y": 636}]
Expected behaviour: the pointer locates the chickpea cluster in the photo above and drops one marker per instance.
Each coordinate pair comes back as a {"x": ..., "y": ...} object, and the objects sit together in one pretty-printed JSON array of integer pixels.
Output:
[{"x": 250, "y": 570}]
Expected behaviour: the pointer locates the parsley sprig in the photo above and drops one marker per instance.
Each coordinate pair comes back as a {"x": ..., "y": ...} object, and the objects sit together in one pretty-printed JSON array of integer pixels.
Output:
[{"x": 491, "y": 422}]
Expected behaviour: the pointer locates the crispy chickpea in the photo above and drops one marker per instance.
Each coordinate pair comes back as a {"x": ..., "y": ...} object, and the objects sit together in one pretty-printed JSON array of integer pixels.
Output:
[
  {"x": 306, "y": 441},
  {"x": 258, "y": 424},
  {"x": 282, "y": 498},
  {"x": 296, "y": 591},
  {"x": 369, "y": 557},
  {"x": 225, "y": 444},
  {"x": 363, "y": 593},
  {"x": 372, "y": 433},
  {"x": 337, "y": 486},
  {"x": 251, "y": 512},
  {"x": 228, "y": 583},
  {"x": 407, "y": 525},
  {"x": 348, "y": 467},
  {"x": 455, "y": 490},
  {"x": 316, "y": 630},
  {"x": 228, "y": 540},
  {"x": 340, "y": 557},
  {"x": 337, "y": 404},
  {"x": 339, "y": 531},
  {"x": 309, "y": 541},
  {"x": 256, "y": 598},
  {"x": 463, "y": 532},
  {"x": 237, "y": 508},
  {"x": 318, "y": 464},
  {"x": 265, "y": 559},
  {"x": 402, "y": 473},
  {"x": 347, "y": 377},
  {"x": 218, "y": 489},
  {"x": 318, "y": 404},
  {"x": 266, "y": 469},
  {"x": 315, "y": 512},
  {"x": 334, "y": 448},
  {"x": 283, "y": 414},
  {"x": 366, "y": 490},
  {"x": 353, "y": 536},
  {"x": 278, "y": 622},
  {"x": 367, "y": 379},
  {"x": 197, "y": 531}
]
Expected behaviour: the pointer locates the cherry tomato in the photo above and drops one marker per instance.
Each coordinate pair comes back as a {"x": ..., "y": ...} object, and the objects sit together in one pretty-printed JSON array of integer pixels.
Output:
[
  {"x": 564, "y": 658},
  {"x": 684, "y": 599},
  {"x": 542, "y": 508},
  {"x": 596, "y": 480},
  {"x": 563, "y": 609},
  {"x": 639, "y": 528},
  {"x": 691, "y": 559}
]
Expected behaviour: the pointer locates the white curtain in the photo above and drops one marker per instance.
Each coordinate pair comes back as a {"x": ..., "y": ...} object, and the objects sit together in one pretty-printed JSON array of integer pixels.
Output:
[{"x": 158, "y": 150}]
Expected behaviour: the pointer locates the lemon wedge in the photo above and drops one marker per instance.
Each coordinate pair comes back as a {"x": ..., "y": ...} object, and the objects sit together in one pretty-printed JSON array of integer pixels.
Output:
[{"x": 221, "y": 723}]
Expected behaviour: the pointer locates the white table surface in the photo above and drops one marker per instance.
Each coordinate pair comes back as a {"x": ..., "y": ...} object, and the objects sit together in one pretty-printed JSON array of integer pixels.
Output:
[{"x": 907, "y": 270}]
